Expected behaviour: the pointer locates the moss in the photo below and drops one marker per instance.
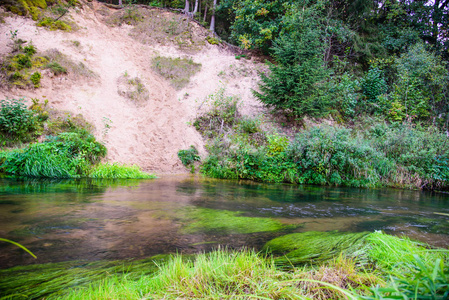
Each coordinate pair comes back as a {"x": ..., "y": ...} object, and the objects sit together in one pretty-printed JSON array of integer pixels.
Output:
[
  {"x": 39, "y": 61},
  {"x": 212, "y": 40},
  {"x": 313, "y": 246},
  {"x": 35, "y": 13},
  {"x": 26, "y": 7},
  {"x": 54, "y": 25},
  {"x": 223, "y": 222}
]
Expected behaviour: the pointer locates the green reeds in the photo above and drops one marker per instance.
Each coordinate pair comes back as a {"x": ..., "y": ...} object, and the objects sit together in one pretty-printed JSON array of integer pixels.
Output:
[{"x": 116, "y": 170}]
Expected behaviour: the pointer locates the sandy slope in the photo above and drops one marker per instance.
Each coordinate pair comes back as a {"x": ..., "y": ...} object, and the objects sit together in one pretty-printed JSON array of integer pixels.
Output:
[{"x": 148, "y": 134}]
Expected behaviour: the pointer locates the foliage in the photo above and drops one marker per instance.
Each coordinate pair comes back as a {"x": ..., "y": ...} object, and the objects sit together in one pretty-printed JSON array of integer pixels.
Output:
[
  {"x": 177, "y": 70},
  {"x": 17, "y": 122},
  {"x": 257, "y": 24},
  {"x": 188, "y": 156},
  {"x": 416, "y": 272},
  {"x": 56, "y": 68},
  {"x": 52, "y": 24},
  {"x": 294, "y": 83},
  {"x": 67, "y": 155},
  {"x": 36, "y": 79},
  {"x": 373, "y": 86},
  {"x": 422, "y": 83},
  {"x": 121, "y": 171}
]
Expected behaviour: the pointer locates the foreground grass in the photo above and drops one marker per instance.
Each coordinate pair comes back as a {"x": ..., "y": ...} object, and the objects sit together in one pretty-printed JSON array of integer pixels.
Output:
[
  {"x": 248, "y": 275},
  {"x": 397, "y": 268}
]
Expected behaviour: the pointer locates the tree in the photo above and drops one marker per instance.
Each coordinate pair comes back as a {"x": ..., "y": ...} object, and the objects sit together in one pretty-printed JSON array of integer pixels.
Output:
[{"x": 294, "y": 84}]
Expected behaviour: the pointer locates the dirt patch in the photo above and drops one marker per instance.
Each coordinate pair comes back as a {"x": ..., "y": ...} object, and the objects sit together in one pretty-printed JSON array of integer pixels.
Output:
[{"x": 149, "y": 134}]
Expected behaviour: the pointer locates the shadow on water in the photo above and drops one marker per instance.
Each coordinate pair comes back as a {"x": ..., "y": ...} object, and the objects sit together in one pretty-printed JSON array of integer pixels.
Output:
[{"x": 66, "y": 220}]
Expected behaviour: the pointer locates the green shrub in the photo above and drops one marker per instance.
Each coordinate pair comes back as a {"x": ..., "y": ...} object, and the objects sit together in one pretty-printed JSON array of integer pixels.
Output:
[
  {"x": 188, "y": 156},
  {"x": 373, "y": 86},
  {"x": 56, "y": 68},
  {"x": 30, "y": 50},
  {"x": 36, "y": 79},
  {"x": 23, "y": 61},
  {"x": 16, "y": 120}
]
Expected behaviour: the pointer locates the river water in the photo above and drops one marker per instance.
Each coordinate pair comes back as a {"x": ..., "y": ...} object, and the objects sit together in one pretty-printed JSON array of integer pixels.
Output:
[{"x": 63, "y": 220}]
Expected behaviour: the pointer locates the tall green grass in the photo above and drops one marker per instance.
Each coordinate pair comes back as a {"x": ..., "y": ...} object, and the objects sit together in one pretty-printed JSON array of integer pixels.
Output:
[
  {"x": 115, "y": 170},
  {"x": 67, "y": 155}
]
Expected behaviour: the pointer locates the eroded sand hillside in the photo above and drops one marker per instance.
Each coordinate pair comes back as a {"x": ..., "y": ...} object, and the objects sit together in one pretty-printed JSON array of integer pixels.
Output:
[{"x": 150, "y": 132}]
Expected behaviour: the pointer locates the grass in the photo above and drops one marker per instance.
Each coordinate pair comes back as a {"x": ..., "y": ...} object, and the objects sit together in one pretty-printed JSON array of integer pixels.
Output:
[
  {"x": 390, "y": 253},
  {"x": 132, "y": 88},
  {"x": 177, "y": 70},
  {"x": 312, "y": 246},
  {"x": 245, "y": 274},
  {"x": 115, "y": 170},
  {"x": 60, "y": 63}
]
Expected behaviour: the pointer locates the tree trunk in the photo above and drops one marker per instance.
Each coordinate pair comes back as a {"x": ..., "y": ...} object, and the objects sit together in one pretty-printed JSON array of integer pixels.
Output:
[
  {"x": 205, "y": 14},
  {"x": 212, "y": 20},
  {"x": 120, "y": 2},
  {"x": 186, "y": 7},
  {"x": 195, "y": 9}
]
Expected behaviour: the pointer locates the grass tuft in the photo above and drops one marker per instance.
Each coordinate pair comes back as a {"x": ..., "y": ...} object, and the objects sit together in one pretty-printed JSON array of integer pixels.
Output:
[
  {"x": 116, "y": 170},
  {"x": 177, "y": 70}
]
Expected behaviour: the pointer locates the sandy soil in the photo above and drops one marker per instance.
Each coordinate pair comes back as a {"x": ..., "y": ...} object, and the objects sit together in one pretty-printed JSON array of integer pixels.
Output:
[{"x": 148, "y": 134}]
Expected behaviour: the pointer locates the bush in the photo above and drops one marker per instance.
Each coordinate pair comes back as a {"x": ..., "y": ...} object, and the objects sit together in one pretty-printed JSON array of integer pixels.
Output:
[
  {"x": 56, "y": 68},
  {"x": 36, "y": 79},
  {"x": 188, "y": 156},
  {"x": 16, "y": 120},
  {"x": 373, "y": 86}
]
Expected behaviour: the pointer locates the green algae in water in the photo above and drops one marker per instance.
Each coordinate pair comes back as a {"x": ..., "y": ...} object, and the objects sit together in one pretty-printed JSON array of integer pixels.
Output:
[
  {"x": 314, "y": 246},
  {"x": 224, "y": 222},
  {"x": 53, "y": 280}
]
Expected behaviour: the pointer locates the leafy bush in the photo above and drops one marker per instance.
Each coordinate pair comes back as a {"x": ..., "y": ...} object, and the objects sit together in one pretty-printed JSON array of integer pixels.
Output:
[
  {"x": 373, "y": 86},
  {"x": 16, "y": 120},
  {"x": 188, "y": 156},
  {"x": 29, "y": 50},
  {"x": 56, "y": 68},
  {"x": 36, "y": 79}
]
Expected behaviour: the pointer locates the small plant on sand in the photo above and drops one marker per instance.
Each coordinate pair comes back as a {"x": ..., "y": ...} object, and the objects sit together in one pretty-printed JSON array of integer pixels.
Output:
[
  {"x": 188, "y": 157},
  {"x": 132, "y": 88},
  {"x": 177, "y": 70}
]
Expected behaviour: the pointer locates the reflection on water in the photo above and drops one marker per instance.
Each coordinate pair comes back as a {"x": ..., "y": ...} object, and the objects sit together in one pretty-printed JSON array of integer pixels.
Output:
[{"x": 96, "y": 219}]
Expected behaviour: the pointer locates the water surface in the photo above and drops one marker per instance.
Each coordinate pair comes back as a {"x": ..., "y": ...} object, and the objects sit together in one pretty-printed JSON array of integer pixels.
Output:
[{"x": 95, "y": 220}]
